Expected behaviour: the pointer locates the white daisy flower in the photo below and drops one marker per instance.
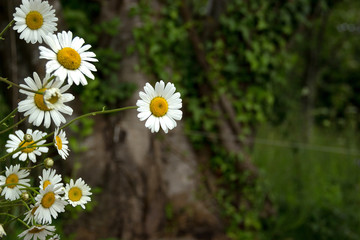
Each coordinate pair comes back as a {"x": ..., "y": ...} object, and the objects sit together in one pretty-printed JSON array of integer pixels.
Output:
[
  {"x": 48, "y": 177},
  {"x": 61, "y": 143},
  {"x": 30, "y": 215},
  {"x": 34, "y": 19},
  {"x": 17, "y": 140},
  {"x": 37, "y": 232},
  {"x": 68, "y": 58},
  {"x": 49, "y": 204},
  {"x": 77, "y": 193},
  {"x": 160, "y": 106},
  {"x": 42, "y": 108},
  {"x": 13, "y": 175}
]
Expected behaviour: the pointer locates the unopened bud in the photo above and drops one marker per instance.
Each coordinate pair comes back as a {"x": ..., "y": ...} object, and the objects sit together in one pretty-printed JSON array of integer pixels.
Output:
[
  {"x": 1, "y": 189},
  {"x": 48, "y": 162},
  {"x": 25, "y": 196},
  {"x": 28, "y": 138}
]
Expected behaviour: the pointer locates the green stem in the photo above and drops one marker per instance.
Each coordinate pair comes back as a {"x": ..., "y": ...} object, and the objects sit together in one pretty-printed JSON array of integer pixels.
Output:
[
  {"x": 14, "y": 217},
  {"x": 51, "y": 78},
  {"x": 8, "y": 116},
  {"x": 22, "y": 148},
  {"x": 35, "y": 166},
  {"x": 18, "y": 86},
  {"x": 75, "y": 119},
  {"x": 11, "y": 127},
  {"x": 98, "y": 112},
  {"x": 6, "y": 28},
  {"x": 25, "y": 204},
  {"x": 22, "y": 185}
]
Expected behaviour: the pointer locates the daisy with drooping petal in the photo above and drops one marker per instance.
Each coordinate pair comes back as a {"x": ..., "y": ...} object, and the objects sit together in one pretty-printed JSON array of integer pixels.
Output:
[
  {"x": 17, "y": 141},
  {"x": 34, "y": 19},
  {"x": 13, "y": 175},
  {"x": 55, "y": 237},
  {"x": 37, "y": 231},
  {"x": 61, "y": 143},
  {"x": 49, "y": 204},
  {"x": 160, "y": 106},
  {"x": 68, "y": 58},
  {"x": 30, "y": 215},
  {"x": 49, "y": 177},
  {"x": 77, "y": 193},
  {"x": 42, "y": 108}
]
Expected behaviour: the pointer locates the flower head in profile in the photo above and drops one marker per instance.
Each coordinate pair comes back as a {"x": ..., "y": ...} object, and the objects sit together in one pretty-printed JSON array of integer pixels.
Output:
[
  {"x": 16, "y": 178},
  {"x": 77, "y": 193},
  {"x": 37, "y": 232},
  {"x": 68, "y": 58},
  {"x": 160, "y": 106},
  {"x": 18, "y": 140},
  {"x": 49, "y": 204},
  {"x": 61, "y": 143},
  {"x": 34, "y": 19},
  {"x": 30, "y": 215},
  {"x": 42, "y": 108},
  {"x": 49, "y": 177}
]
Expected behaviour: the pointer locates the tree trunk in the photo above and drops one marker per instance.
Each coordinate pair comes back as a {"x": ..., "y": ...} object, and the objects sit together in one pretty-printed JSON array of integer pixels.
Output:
[{"x": 151, "y": 184}]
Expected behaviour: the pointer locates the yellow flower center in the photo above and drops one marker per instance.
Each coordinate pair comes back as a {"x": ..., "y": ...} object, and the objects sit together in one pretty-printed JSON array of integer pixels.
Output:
[
  {"x": 39, "y": 100},
  {"x": 36, "y": 230},
  {"x": 159, "y": 106},
  {"x": 69, "y": 58},
  {"x": 48, "y": 200},
  {"x": 75, "y": 194},
  {"x": 12, "y": 179},
  {"x": 54, "y": 98},
  {"x": 34, "y": 20},
  {"x": 46, "y": 183},
  {"x": 58, "y": 142},
  {"x": 27, "y": 149}
]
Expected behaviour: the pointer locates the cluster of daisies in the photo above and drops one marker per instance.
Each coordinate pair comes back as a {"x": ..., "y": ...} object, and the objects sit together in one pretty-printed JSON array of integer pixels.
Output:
[{"x": 45, "y": 104}]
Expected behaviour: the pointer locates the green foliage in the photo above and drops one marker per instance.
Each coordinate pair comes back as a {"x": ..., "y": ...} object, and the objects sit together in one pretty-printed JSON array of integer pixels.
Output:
[
  {"x": 315, "y": 191},
  {"x": 105, "y": 89},
  {"x": 245, "y": 48},
  {"x": 241, "y": 201}
]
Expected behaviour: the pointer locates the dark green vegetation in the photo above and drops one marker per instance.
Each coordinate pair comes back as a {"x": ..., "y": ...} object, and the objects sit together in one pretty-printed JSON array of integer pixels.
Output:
[{"x": 290, "y": 69}]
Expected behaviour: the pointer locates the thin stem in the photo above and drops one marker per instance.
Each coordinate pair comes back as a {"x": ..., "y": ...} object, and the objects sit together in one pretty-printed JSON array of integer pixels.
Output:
[
  {"x": 11, "y": 127},
  {"x": 98, "y": 112},
  {"x": 75, "y": 119},
  {"x": 8, "y": 116},
  {"x": 14, "y": 217},
  {"x": 25, "y": 204},
  {"x": 35, "y": 166},
  {"x": 47, "y": 82},
  {"x": 6, "y": 28},
  {"x": 22, "y": 185},
  {"x": 22, "y": 148},
  {"x": 18, "y": 86}
]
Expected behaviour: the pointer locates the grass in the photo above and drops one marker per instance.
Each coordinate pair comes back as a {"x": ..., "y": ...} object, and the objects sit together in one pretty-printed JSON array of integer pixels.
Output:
[{"x": 314, "y": 189}]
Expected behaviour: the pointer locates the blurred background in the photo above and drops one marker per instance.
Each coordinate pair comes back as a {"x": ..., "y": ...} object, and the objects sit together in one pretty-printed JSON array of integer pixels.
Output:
[{"x": 268, "y": 144}]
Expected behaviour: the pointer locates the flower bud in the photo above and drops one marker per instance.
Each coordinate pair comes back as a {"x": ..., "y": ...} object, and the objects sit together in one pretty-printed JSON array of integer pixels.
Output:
[
  {"x": 48, "y": 162},
  {"x": 1, "y": 189},
  {"x": 28, "y": 138},
  {"x": 25, "y": 196}
]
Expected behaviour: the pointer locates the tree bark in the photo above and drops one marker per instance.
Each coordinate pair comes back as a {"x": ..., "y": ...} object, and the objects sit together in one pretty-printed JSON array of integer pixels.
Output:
[{"x": 151, "y": 184}]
